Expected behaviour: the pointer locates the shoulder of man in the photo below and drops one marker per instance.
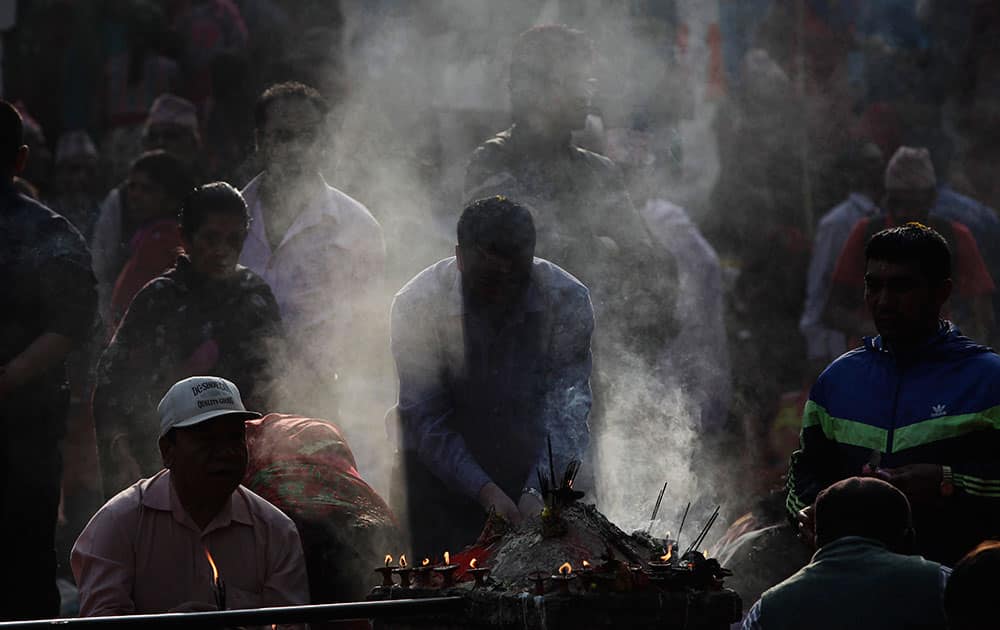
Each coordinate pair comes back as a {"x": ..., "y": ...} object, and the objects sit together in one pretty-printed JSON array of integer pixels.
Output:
[
  {"x": 432, "y": 282},
  {"x": 488, "y": 168},
  {"x": 555, "y": 280},
  {"x": 122, "y": 510},
  {"x": 849, "y": 367},
  {"x": 596, "y": 160},
  {"x": 45, "y": 228},
  {"x": 354, "y": 210}
]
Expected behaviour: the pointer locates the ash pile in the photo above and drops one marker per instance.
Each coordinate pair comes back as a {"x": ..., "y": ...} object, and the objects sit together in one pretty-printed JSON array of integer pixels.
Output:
[{"x": 568, "y": 567}]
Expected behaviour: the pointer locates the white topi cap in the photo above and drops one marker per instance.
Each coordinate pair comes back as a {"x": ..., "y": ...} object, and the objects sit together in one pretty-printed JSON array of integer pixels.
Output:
[{"x": 199, "y": 398}]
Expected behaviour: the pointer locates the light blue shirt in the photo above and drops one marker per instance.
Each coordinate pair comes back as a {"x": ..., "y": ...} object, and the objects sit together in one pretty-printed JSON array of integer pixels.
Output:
[{"x": 834, "y": 228}]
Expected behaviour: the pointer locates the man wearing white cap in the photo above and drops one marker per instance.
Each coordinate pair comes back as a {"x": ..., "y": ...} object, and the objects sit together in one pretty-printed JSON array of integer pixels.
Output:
[{"x": 146, "y": 550}]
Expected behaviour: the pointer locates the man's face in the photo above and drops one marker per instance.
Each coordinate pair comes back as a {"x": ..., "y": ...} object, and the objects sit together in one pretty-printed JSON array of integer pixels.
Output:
[
  {"x": 216, "y": 246},
  {"x": 909, "y": 205},
  {"x": 146, "y": 198},
  {"x": 209, "y": 458},
  {"x": 76, "y": 176},
  {"x": 902, "y": 303},
  {"x": 176, "y": 140},
  {"x": 494, "y": 280},
  {"x": 289, "y": 139},
  {"x": 560, "y": 95}
]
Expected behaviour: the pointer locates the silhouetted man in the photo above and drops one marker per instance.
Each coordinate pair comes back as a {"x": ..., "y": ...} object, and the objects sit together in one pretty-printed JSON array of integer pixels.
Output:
[
  {"x": 492, "y": 348},
  {"x": 913, "y": 406},
  {"x": 49, "y": 303},
  {"x": 860, "y": 577},
  {"x": 145, "y": 550}
]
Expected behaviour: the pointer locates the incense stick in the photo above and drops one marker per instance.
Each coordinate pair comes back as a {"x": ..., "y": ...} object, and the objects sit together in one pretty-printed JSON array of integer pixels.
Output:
[
  {"x": 656, "y": 507},
  {"x": 704, "y": 531},
  {"x": 552, "y": 466},
  {"x": 677, "y": 538}
]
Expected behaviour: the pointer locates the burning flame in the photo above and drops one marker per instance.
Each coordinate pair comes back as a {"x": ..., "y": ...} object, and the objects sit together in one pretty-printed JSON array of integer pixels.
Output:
[
  {"x": 565, "y": 568},
  {"x": 402, "y": 561},
  {"x": 388, "y": 559},
  {"x": 472, "y": 563},
  {"x": 668, "y": 555},
  {"x": 586, "y": 564},
  {"x": 426, "y": 562},
  {"x": 447, "y": 558},
  {"x": 215, "y": 569}
]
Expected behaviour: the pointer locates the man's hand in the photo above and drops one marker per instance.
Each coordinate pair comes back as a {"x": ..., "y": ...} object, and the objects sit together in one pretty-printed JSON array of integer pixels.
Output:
[
  {"x": 529, "y": 505},
  {"x": 491, "y": 496},
  {"x": 920, "y": 483},
  {"x": 807, "y": 525}
]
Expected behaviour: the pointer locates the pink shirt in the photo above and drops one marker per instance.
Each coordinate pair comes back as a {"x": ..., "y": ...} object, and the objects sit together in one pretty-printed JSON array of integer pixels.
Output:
[{"x": 142, "y": 553}]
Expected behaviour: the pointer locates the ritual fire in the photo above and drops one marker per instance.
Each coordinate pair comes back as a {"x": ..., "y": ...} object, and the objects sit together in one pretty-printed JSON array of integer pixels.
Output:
[{"x": 525, "y": 576}]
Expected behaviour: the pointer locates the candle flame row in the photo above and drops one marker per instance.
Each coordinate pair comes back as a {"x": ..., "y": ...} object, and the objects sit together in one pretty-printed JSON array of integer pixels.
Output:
[{"x": 388, "y": 560}]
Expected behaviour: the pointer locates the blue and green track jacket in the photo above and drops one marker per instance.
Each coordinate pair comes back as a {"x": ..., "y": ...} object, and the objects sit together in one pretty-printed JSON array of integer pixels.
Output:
[{"x": 941, "y": 405}]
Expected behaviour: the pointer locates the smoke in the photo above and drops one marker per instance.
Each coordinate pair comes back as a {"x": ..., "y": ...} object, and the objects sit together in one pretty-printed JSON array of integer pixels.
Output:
[{"x": 426, "y": 82}]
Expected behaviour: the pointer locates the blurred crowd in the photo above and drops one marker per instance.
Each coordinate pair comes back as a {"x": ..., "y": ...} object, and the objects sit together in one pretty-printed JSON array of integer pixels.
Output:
[{"x": 761, "y": 143}]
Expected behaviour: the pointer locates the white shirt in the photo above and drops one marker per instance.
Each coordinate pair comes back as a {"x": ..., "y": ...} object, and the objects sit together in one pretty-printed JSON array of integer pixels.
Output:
[
  {"x": 326, "y": 274},
  {"x": 699, "y": 355}
]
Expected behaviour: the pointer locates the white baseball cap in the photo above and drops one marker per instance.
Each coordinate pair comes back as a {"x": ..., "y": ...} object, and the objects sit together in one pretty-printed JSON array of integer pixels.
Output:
[{"x": 199, "y": 398}]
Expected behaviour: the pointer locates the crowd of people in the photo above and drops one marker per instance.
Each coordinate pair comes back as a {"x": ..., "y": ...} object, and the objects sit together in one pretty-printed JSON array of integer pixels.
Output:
[{"x": 198, "y": 318}]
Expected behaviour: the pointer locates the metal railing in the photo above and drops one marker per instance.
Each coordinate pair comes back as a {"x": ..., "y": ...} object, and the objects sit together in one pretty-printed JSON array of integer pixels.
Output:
[{"x": 389, "y": 609}]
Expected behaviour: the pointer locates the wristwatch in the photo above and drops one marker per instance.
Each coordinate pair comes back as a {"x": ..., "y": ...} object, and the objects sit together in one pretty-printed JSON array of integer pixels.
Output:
[
  {"x": 947, "y": 481},
  {"x": 533, "y": 492}
]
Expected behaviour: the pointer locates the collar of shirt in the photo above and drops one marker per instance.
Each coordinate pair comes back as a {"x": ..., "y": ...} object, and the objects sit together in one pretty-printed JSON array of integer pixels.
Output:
[
  {"x": 159, "y": 494},
  {"x": 323, "y": 208},
  {"x": 864, "y": 202}
]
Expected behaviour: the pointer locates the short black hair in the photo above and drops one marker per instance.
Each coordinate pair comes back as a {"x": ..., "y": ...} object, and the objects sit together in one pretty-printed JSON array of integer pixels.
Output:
[
  {"x": 287, "y": 90},
  {"x": 913, "y": 243},
  {"x": 11, "y": 135},
  {"x": 499, "y": 226},
  {"x": 970, "y": 597},
  {"x": 214, "y": 198},
  {"x": 862, "y": 506},
  {"x": 167, "y": 171}
]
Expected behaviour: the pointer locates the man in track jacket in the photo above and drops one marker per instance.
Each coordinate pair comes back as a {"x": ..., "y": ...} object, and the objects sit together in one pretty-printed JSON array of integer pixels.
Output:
[{"x": 917, "y": 406}]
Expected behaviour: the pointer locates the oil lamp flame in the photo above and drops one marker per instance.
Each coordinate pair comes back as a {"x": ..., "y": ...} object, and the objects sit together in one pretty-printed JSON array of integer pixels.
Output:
[
  {"x": 447, "y": 558},
  {"x": 426, "y": 562},
  {"x": 472, "y": 563},
  {"x": 402, "y": 561},
  {"x": 670, "y": 552},
  {"x": 586, "y": 564},
  {"x": 215, "y": 569},
  {"x": 565, "y": 568},
  {"x": 388, "y": 559}
]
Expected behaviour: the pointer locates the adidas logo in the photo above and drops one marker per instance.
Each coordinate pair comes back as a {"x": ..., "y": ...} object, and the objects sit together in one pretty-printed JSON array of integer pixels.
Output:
[{"x": 937, "y": 411}]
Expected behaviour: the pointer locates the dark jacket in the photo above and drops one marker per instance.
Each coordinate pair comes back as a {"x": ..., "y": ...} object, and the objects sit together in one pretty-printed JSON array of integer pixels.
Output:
[
  {"x": 941, "y": 405},
  {"x": 48, "y": 287},
  {"x": 179, "y": 324}
]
